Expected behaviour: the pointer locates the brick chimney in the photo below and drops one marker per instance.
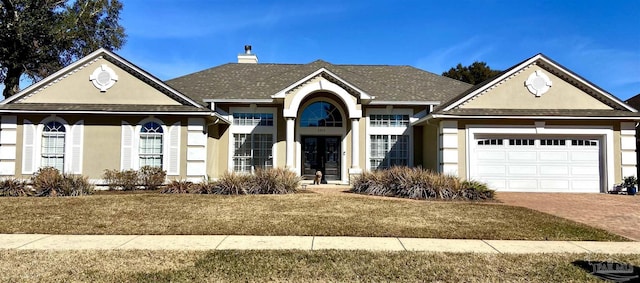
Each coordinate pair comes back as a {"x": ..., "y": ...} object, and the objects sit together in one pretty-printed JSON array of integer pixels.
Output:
[{"x": 247, "y": 57}]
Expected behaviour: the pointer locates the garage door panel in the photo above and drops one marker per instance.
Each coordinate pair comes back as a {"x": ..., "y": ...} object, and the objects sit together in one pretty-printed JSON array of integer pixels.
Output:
[
  {"x": 555, "y": 185},
  {"x": 522, "y": 170},
  {"x": 554, "y": 156},
  {"x": 553, "y": 170},
  {"x": 584, "y": 156},
  {"x": 491, "y": 155},
  {"x": 522, "y": 156},
  {"x": 585, "y": 170},
  {"x": 584, "y": 186},
  {"x": 522, "y": 185},
  {"x": 489, "y": 170}
]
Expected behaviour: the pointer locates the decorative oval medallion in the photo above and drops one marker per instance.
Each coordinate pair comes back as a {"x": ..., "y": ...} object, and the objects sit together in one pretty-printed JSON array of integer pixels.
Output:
[{"x": 538, "y": 83}]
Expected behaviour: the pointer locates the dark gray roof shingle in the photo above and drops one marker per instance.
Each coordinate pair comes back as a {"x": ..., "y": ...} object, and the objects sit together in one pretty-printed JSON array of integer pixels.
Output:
[{"x": 260, "y": 81}]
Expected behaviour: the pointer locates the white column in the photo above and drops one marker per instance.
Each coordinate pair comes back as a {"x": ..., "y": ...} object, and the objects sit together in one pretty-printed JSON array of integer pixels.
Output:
[
  {"x": 291, "y": 123},
  {"x": 628, "y": 149},
  {"x": 355, "y": 145},
  {"x": 449, "y": 147}
]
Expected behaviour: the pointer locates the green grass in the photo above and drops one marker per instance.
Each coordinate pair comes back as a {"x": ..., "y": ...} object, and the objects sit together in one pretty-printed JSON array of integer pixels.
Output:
[
  {"x": 294, "y": 266},
  {"x": 293, "y": 214}
]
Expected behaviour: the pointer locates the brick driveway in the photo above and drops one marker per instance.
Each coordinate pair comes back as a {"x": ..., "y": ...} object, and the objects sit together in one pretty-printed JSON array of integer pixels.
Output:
[{"x": 619, "y": 214}]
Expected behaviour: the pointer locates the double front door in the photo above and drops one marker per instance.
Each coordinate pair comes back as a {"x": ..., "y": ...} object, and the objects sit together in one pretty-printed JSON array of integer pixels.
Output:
[{"x": 321, "y": 153}]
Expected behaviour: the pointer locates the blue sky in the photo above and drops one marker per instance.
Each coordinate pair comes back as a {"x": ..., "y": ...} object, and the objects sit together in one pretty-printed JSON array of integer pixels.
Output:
[{"x": 599, "y": 40}]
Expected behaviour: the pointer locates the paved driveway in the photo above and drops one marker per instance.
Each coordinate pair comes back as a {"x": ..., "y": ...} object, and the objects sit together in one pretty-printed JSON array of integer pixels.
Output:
[{"x": 619, "y": 214}]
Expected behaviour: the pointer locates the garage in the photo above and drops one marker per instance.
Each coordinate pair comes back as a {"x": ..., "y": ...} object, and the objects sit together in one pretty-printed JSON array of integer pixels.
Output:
[{"x": 537, "y": 163}]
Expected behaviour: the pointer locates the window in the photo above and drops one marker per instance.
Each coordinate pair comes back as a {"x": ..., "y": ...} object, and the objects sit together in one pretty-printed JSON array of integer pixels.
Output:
[
  {"x": 553, "y": 142},
  {"x": 521, "y": 142},
  {"x": 321, "y": 114},
  {"x": 253, "y": 119},
  {"x": 388, "y": 120},
  {"x": 252, "y": 151},
  {"x": 389, "y": 150},
  {"x": 150, "y": 151},
  {"x": 490, "y": 142},
  {"x": 53, "y": 143},
  {"x": 584, "y": 142}
]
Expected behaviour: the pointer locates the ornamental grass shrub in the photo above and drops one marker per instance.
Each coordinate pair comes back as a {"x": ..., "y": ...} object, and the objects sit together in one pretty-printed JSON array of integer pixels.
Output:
[
  {"x": 268, "y": 181},
  {"x": 12, "y": 187},
  {"x": 48, "y": 181},
  {"x": 147, "y": 177},
  {"x": 417, "y": 183},
  {"x": 178, "y": 187}
]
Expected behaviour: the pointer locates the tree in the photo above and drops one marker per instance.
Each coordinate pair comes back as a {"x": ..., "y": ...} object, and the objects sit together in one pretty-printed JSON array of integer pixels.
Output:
[
  {"x": 473, "y": 74},
  {"x": 38, "y": 37}
]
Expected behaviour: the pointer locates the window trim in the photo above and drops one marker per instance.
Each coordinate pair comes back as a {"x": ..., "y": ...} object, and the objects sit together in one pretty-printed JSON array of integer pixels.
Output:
[
  {"x": 65, "y": 139},
  {"x": 396, "y": 131},
  {"x": 252, "y": 129}
]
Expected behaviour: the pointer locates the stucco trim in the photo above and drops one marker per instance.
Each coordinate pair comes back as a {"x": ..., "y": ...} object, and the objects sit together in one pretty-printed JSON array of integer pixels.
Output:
[{"x": 283, "y": 93}]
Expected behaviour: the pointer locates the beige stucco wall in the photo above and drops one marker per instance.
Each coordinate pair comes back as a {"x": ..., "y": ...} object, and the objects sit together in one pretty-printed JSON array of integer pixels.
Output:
[
  {"x": 430, "y": 148},
  {"x": 513, "y": 94},
  {"x": 462, "y": 138},
  {"x": 77, "y": 88},
  {"x": 102, "y": 141}
]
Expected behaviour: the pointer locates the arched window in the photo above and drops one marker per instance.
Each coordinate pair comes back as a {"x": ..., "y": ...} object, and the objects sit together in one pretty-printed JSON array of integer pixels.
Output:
[
  {"x": 321, "y": 114},
  {"x": 151, "y": 145},
  {"x": 53, "y": 138}
]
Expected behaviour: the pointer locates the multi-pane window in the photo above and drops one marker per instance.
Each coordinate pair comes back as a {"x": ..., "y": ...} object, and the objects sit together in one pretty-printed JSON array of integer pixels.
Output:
[
  {"x": 394, "y": 120},
  {"x": 553, "y": 142},
  {"x": 53, "y": 138},
  {"x": 490, "y": 142},
  {"x": 521, "y": 141},
  {"x": 321, "y": 114},
  {"x": 151, "y": 145},
  {"x": 389, "y": 150},
  {"x": 584, "y": 142},
  {"x": 252, "y": 151},
  {"x": 253, "y": 119}
]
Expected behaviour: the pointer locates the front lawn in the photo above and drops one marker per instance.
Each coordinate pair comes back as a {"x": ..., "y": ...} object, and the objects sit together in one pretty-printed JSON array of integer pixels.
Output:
[
  {"x": 295, "y": 266},
  {"x": 292, "y": 214}
]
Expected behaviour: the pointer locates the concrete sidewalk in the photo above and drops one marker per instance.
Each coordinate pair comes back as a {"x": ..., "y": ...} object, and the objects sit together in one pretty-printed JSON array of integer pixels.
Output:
[{"x": 236, "y": 242}]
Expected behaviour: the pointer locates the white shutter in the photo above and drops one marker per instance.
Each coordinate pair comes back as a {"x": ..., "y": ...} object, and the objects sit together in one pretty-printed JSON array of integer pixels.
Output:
[
  {"x": 173, "y": 152},
  {"x": 77, "y": 137},
  {"x": 28, "y": 147},
  {"x": 127, "y": 150}
]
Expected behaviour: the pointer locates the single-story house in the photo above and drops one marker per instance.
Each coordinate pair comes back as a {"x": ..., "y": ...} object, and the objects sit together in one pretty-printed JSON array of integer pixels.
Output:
[{"x": 535, "y": 127}]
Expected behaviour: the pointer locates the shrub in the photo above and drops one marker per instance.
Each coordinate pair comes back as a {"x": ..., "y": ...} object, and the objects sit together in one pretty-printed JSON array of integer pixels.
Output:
[
  {"x": 232, "y": 184},
  {"x": 151, "y": 177},
  {"x": 125, "y": 180},
  {"x": 178, "y": 187},
  {"x": 273, "y": 181},
  {"x": 47, "y": 181},
  {"x": 76, "y": 185},
  {"x": 417, "y": 183},
  {"x": 12, "y": 187},
  {"x": 205, "y": 187}
]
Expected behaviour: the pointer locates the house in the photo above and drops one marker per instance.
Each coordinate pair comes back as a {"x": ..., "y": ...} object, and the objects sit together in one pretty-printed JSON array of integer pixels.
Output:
[{"x": 535, "y": 127}]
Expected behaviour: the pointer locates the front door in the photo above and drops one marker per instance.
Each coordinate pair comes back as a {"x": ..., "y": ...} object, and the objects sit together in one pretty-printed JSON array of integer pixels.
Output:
[{"x": 321, "y": 153}]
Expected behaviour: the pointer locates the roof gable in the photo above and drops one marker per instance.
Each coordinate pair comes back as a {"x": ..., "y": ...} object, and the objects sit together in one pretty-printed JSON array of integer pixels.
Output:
[
  {"x": 78, "y": 84},
  {"x": 513, "y": 89}
]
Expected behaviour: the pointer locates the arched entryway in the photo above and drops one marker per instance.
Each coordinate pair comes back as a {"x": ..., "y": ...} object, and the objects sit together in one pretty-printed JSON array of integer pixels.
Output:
[{"x": 322, "y": 130}]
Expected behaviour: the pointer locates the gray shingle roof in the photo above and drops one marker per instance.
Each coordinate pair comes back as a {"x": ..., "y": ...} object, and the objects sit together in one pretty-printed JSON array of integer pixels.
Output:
[
  {"x": 260, "y": 81},
  {"x": 37, "y": 107}
]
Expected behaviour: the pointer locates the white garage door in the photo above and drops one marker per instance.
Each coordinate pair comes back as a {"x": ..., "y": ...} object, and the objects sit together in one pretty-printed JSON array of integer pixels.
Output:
[{"x": 536, "y": 164}]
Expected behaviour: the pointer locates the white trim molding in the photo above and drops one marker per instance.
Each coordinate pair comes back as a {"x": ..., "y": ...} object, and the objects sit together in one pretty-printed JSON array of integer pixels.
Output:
[
  {"x": 322, "y": 85},
  {"x": 196, "y": 149},
  {"x": 448, "y": 147},
  {"x": 628, "y": 156},
  {"x": 8, "y": 137},
  {"x": 604, "y": 133}
]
